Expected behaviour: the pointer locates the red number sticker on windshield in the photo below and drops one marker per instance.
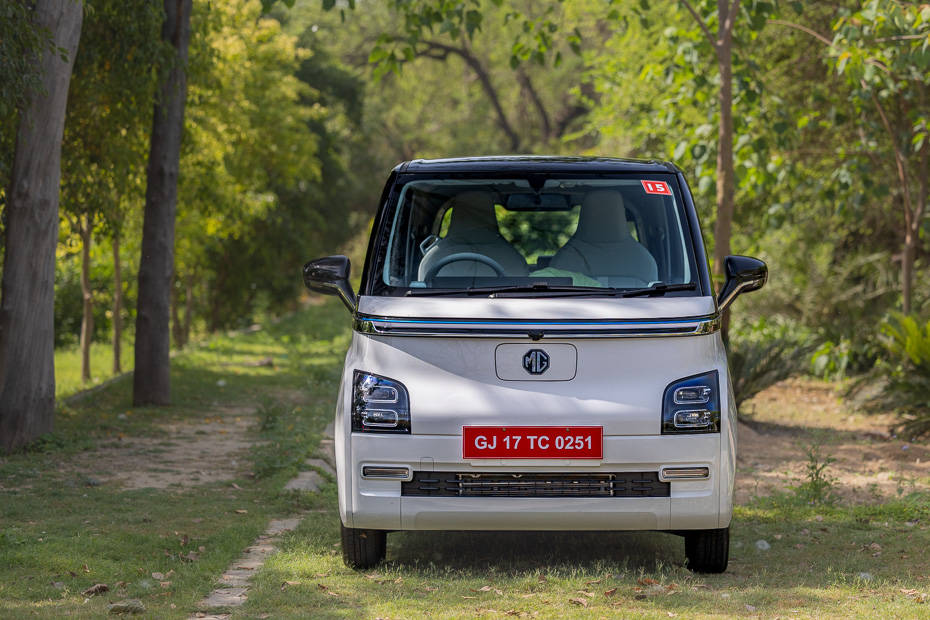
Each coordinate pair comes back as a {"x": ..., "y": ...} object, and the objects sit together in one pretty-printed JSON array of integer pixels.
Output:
[{"x": 657, "y": 187}]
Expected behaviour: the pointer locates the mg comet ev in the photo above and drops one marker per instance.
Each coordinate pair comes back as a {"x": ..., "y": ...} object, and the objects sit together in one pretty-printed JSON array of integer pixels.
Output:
[{"x": 536, "y": 346}]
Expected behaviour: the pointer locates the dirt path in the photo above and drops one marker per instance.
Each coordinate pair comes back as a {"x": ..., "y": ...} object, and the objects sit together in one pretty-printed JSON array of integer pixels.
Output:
[
  {"x": 184, "y": 454},
  {"x": 783, "y": 422}
]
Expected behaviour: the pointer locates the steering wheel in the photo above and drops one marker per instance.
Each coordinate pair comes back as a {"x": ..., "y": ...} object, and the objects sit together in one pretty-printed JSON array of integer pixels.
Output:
[{"x": 463, "y": 256}]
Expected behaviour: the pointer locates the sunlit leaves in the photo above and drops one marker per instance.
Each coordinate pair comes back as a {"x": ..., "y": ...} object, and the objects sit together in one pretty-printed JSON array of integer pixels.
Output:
[
  {"x": 534, "y": 39},
  {"x": 246, "y": 130}
]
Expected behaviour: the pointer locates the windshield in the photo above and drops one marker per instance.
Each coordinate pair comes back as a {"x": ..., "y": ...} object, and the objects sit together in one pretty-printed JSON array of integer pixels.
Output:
[{"x": 595, "y": 234}]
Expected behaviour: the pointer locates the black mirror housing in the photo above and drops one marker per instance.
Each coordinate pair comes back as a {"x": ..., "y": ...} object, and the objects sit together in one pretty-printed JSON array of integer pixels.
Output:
[
  {"x": 744, "y": 274},
  {"x": 330, "y": 276}
]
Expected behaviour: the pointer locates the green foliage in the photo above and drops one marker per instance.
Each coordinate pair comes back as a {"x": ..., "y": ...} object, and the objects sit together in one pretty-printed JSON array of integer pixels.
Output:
[
  {"x": 831, "y": 360},
  {"x": 818, "y": 486},
  {"x": 903, "y": 375},
  {"x": 658, "y": 83},
  {"x": 765, "y": 354},
  {"x": 533, "y": 38},
  {"x": 21, "y": 44}
]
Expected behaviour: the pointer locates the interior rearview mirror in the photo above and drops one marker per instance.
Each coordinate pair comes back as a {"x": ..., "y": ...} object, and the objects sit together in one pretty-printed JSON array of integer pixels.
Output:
[
  {"x": 743, "y": 274},
  {"x": 330, "y": 276}
]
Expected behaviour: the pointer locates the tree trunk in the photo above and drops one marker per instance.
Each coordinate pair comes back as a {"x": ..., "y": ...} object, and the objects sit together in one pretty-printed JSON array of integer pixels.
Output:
[
  {"x": 27, "y": 293},
  {"x": 188, "y": 306},
  {"x": 177, "y": 330},
  {"x": 87, "y": 318},
  {"x": 907, "y": 271},
  {"x": 912, "y": 224},
  {"x": 726, "y": 175},
  {"x": 152, "y": 374},
  {"x": 117, "y": 308}
]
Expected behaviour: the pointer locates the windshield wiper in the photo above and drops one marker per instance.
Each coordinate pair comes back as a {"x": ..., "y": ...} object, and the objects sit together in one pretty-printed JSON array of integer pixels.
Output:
[
  {"x": 555, "y": 291},
  {"x": 537, "y": 287},
  {"x": 657, "y": 289}
]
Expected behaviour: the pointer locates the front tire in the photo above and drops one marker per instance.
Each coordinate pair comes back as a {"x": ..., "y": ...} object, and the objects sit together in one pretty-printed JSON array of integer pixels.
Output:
[
  {"x": 363, "y": 548},
  {"x": 708, "y": 551}
]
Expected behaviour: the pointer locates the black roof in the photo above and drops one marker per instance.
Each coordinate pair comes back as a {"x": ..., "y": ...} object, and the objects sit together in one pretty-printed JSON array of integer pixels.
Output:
[{"x": 534, "y": 163}]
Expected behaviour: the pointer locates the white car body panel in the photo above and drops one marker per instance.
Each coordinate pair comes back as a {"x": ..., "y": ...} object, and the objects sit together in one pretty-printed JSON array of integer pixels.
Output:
[{"x": 616, "y": 382}]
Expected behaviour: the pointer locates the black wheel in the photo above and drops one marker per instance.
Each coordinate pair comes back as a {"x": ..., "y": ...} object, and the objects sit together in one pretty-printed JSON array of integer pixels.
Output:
[
  {"x": 708, "y": 551},
  {"x": 363, "y": 548}
]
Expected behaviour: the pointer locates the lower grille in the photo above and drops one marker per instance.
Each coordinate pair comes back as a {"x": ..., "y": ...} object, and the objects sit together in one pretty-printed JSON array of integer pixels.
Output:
[{"x": 497, "y": 484}]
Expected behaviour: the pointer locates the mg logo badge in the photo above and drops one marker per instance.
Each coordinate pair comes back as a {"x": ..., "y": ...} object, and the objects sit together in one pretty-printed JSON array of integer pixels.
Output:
[{"x": 536, "y": 361}]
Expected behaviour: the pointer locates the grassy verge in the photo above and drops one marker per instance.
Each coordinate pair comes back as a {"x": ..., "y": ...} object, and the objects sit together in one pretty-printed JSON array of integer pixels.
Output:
[
  {"x": 820, "y": 562},
  {"x": 68, "y": 366},
  {"x": 65, "y": 525}
]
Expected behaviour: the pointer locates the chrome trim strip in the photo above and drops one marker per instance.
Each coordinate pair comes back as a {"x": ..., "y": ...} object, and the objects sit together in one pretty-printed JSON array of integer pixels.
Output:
[
  {"x": 386, "y": 472},
  {"x": 672, "y": 474},
  {"x": 537, "y": 329}
]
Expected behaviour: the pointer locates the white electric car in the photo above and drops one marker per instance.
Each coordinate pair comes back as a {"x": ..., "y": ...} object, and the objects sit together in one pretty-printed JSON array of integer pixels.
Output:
[{"x": 536, "y": 346}]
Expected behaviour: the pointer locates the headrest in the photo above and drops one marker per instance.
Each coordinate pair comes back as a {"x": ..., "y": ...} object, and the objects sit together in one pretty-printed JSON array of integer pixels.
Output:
[
  {"x": 473, "y": 211},
  {"x": 602, "y": 218}
]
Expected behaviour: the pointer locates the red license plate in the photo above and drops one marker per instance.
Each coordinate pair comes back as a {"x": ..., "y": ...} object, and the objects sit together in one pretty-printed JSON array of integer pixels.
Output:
[{"x": 533, "y": 442}]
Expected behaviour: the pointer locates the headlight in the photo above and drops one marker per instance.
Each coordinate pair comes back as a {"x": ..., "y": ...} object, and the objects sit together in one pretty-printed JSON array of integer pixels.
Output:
[
  {"x": 692, "y": 405},
  {"x": 379, "y": 404}
]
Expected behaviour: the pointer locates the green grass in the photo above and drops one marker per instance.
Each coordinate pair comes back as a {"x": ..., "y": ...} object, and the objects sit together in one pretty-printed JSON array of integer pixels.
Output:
[
  {"x": 61, "y": 531},
  {"x": 824, "y": 561},
  {"x": 68, "y": 366},
  {"x": 821, "y": 563}
]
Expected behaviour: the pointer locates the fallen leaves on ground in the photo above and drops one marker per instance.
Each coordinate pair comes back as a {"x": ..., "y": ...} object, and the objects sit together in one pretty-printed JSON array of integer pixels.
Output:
[
  {"x": 579, "y": 601},
  {"x": 288, "y": 583},
  {"x": 916, "y": 595},
  {"x": 610, "y": 592},
  {"x": 97, "y": 588}
]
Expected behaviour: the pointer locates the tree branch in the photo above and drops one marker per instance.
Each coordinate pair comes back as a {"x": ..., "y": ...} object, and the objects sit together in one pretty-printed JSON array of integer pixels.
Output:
[
  {"x": 474, "y": 63},
  {"x": 527, "y": 85},
  {"x": 700, "y": 22},
  {"x": 726, "y": 26},
  {"x": 898, "y": 156},
  {"x": 922, "y": 176},
  {"x": 568, "y": 115},
  {"x": 804, "y": 29}
]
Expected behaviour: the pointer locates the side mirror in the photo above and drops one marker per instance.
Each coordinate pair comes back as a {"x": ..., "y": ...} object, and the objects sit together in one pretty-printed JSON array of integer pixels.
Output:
[
  {"x": 744, "y": 274},
  {"x": 330, "y": 276}
]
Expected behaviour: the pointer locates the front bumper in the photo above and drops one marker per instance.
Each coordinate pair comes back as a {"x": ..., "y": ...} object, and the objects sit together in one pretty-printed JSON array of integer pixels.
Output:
[{"x": 369, "y": 502}]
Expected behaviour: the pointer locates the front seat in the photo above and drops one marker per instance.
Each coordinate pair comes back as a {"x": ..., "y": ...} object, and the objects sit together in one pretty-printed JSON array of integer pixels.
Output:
[
  {"x": 473, "y": 228},
  {"x": 602, "y": 246}
]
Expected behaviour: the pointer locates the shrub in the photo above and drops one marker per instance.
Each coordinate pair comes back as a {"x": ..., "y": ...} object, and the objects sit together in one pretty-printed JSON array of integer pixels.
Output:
[
  {"x": 819, "y": 486},
  {"x": 902, "y": 375},
  {"x": 765, "y": 354}
]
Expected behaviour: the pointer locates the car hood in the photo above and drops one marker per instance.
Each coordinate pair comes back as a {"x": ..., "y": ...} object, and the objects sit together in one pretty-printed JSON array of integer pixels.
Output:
[{"x": 538, "y": 309}]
